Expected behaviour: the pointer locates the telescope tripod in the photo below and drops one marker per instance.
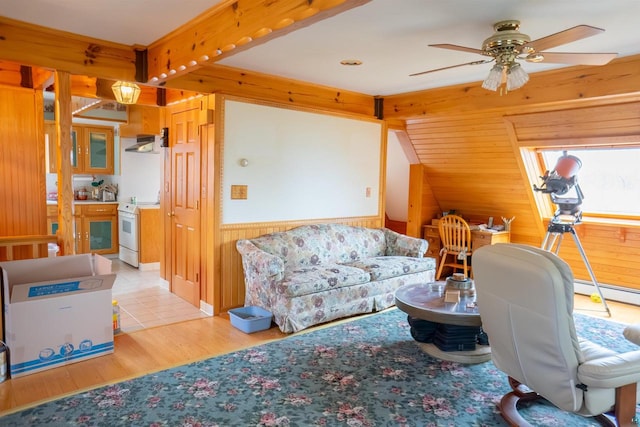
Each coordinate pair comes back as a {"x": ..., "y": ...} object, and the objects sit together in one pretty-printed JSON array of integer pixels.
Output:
[{"x": 555, "y": 232}]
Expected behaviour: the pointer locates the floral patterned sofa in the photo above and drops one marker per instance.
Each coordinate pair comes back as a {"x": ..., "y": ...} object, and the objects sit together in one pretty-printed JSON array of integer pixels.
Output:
[{"x": 317, "y": 273}]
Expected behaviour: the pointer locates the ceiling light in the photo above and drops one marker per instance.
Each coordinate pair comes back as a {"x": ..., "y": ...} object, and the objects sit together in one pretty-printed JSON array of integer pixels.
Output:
[
  {"x": 508, "y": 70},
  {"x": 125, "y": 92},
  {"x": 493, "y": 80},
  {"x": 516, "y": 76}
]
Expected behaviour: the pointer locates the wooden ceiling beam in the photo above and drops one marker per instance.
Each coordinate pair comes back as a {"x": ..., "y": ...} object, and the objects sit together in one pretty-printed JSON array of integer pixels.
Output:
[
  {"x": 234, "y": 81},
  {"x": 26, "y": 77},
  {"x": 38, "y": 46},
  {"x": 232, "y": 26},
  {"x": 583, "y": 84},
  {"x": 10, "y": 73},
  {"x": 42, "y": 78},
  {"x": 91, "y": 87}
]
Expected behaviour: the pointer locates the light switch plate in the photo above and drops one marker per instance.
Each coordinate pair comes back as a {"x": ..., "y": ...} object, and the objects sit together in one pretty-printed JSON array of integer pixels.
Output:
[{"x": 238, "y": 192}]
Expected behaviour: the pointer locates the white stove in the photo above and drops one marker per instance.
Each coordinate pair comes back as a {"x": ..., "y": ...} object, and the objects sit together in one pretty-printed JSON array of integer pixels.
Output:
[
  {"x": 129, "y": 231},
  {"x": 134, "y": 208}
]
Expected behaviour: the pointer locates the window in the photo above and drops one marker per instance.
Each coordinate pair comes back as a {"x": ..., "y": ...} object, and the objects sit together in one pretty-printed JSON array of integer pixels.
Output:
[{"x": 609, "y": 179}]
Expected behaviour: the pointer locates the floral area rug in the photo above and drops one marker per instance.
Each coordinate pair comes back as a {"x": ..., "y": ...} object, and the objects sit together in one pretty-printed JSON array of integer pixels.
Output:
[{"x": 365, "y": 372}]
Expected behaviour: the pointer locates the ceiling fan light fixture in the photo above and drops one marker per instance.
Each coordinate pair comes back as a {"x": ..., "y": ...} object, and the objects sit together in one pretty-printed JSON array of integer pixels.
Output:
[
  {"x": 535, "y": 57},
  {"x": 125, "y": 92},
  {"x": 516, "y": 76},
  {"x": 493, "y": 80}
]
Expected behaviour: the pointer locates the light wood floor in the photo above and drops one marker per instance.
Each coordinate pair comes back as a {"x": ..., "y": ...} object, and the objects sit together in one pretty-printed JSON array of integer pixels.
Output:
[
  {"x": 145, "y": 300},
  {"x": 153, "y": 349}
]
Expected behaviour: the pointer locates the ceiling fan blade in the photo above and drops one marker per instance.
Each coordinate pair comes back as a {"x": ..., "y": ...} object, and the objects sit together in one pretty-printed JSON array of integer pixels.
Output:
[
  {"x": 567, "y": 36},
  {"x": 452, "y": 66},
  {"x": 456, "y": 47},
  {"x": 573, "y": 58}
]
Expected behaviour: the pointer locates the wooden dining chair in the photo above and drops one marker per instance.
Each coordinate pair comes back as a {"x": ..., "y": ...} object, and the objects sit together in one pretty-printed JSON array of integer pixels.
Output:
[{"x": 456, "y": 242}]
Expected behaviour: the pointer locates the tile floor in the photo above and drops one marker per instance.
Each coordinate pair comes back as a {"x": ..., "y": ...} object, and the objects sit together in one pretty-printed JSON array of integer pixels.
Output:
[{"x": 145, "y": 300}]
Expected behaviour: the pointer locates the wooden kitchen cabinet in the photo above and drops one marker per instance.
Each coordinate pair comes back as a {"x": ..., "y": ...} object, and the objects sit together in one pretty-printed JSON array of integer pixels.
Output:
[
  {"x": 96, "y": 228},
  {"x": 52, "y": 224},
  {"x": 150, "y": 235},
  {"x": 52, "y": 219},
  {"x": 143, "y": 119},
  {"x": 92, "y": 150}
]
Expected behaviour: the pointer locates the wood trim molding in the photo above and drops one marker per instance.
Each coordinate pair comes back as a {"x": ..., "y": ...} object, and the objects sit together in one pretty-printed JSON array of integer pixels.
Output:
[
  {"x": 297, "y": 223},
  {"x": 227, "y": 80}
]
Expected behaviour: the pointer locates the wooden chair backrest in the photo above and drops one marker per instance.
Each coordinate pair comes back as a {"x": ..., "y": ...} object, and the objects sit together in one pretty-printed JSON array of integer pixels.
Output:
[{"x": 455, "y": 233}]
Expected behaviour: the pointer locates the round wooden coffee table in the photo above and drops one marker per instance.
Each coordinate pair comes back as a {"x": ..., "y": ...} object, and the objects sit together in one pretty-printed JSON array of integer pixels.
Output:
[{"x": 426, "y": 301}]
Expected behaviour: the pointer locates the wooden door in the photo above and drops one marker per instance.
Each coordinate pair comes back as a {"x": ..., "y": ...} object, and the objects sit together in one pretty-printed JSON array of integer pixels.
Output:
[{"x": 185, "y": 206}]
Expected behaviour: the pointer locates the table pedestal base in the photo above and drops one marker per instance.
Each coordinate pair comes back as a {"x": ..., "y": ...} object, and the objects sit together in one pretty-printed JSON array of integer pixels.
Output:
[{"x": 481, "y": 354}]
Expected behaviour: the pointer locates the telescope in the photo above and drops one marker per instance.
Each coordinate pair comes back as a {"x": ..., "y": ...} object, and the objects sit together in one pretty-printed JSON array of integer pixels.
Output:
[{"x": 559, "y": 182}]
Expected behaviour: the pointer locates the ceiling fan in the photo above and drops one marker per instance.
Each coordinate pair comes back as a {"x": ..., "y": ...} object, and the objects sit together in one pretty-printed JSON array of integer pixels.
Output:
[{"x": 508, "y": 45}]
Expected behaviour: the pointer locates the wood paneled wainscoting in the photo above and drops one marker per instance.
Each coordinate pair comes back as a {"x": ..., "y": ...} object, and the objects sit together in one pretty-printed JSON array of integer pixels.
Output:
[{"x": 232, "y": 277}]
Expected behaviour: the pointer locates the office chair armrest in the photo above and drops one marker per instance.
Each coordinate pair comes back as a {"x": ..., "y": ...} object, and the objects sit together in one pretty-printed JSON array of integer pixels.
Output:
[{"x": 611, "y": 371}]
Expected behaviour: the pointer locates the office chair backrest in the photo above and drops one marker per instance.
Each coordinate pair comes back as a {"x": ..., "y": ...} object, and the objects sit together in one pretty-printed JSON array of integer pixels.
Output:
[{"x": 525, "y": 299}]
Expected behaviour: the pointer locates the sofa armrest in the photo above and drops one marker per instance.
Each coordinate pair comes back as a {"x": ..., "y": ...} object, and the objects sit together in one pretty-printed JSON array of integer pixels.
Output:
[
  {"x": 611, "y": 371},
  {"x": 399, "y": 244},
  {"x": 262, "y": 274},
  {"x": 260, "y": 262}
]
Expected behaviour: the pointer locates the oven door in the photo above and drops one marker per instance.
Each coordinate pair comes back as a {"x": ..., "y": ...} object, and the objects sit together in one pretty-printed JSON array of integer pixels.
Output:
[{"x": 128, "y": 230}]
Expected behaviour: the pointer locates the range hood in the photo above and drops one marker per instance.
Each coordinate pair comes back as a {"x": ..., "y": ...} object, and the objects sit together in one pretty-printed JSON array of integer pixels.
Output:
[{"x": 144, "y": 144}]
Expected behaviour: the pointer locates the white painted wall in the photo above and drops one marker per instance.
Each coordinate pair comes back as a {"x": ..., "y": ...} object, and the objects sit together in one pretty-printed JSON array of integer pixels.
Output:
[
  {"x": 397, "y": 196},
  {"x": 140, "y": 173},
  {"x": 301, "y": 165}
]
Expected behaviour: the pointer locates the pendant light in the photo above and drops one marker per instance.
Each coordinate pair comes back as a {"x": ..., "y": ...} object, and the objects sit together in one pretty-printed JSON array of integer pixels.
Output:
[{"x": 125, "y": 92}]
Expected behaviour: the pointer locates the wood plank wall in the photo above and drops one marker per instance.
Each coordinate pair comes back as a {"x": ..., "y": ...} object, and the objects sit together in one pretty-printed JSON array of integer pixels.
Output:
[
  {"x": 471, "y": 163},
  {"x": 423, "y": 205},
  {"x": 23, "y": 188},
  {"x": 470, "y": 166},
  {"x": 232, "y": 276}
]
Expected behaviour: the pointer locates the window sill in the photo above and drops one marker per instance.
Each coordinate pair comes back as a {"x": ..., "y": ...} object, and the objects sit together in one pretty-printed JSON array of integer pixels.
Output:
[{"x": 613, "y": 222}]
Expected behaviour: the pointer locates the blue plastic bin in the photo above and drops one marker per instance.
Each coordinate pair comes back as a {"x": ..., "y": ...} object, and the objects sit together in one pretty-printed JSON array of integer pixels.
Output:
[{"x": 250, "y": 319}]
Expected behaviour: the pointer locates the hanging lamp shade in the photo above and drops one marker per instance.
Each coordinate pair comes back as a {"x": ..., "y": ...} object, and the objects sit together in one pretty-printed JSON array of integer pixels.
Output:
[{"x": 125, "y": 92}]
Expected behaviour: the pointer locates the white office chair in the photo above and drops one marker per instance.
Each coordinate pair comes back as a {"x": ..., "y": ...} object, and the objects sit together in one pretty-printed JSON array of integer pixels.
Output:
[{"x": 525, "y": 299}]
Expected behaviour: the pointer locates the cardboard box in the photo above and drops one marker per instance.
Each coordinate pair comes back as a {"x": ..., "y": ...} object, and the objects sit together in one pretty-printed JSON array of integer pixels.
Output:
[{"x": 57, "y": 311}]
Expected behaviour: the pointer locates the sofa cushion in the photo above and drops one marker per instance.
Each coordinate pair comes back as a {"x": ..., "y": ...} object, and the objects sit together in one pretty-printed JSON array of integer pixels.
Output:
[
  {"x": 318, "y": 278},
  {"x": 313, "y": 245},
  {"x": 384, "y": 267}
]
